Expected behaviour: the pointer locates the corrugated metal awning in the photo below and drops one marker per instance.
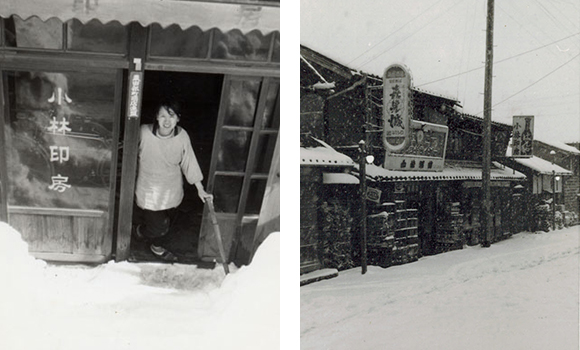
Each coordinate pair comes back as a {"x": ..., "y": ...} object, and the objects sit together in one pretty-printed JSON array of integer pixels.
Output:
[
  {"x": 324, "y": 156},
  {"x": 497, "y": 172},
  {"x": 185, "y": 13}
]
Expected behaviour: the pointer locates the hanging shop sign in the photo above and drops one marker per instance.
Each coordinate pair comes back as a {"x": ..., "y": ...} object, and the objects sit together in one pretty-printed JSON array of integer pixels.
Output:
[
  {"x": 522, "y": 136},
  {"x": 425, "y": 150},
  {"x": 397, "y": 82},
  {"x": 136, "y": 92},
  {"x": 373, "y": 194}
]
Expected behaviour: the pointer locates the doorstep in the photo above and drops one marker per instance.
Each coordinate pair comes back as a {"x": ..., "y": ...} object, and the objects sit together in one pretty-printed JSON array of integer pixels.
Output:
[{"x": 317, "y": 275}]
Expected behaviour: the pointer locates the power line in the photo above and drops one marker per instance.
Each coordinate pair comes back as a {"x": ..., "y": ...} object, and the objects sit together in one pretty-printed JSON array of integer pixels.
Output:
[
  {"x": 534, "y": 83},
  {"x": 499, "y": 61},
  {"x": 407, "y": 37},
  {"x": 393, "y": 33}
]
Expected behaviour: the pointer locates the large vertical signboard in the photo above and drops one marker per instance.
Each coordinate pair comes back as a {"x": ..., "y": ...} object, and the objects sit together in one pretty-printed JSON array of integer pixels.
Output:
[
  {"x": 523, "y": 136},
  {"x": 411, "y": 145},
  {"x": 396, "y": 107}
]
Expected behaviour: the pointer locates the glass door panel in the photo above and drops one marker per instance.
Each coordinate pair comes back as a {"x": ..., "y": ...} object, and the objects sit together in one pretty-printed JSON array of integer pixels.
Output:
[
  {"x": 60, "y": 145},
  {"x": 244, "y": 147}
]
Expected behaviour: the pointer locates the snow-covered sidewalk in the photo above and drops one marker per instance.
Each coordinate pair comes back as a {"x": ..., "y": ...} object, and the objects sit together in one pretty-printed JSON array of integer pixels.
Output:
[
  {"x": 137, "y": 306},
  {"x": 521, "y": 293}
]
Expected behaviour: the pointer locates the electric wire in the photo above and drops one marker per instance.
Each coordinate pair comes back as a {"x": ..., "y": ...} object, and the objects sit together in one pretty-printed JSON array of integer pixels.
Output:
[
  {"x": 534, "y": 83},
  {"x": 393, "y": 33},
  {"x": 499, "y": 61},
  {"x": 410, "y": 35}
]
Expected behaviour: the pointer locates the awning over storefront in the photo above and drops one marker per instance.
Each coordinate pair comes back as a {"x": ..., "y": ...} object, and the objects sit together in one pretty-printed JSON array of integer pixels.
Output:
[
  {"x": 449, "y": 173},
  {"x": 339, "y": 178},
  {"x": 542, "y": 166},
  {"x": 323, "y": 156},
  {"x": 186, "y": 13}
]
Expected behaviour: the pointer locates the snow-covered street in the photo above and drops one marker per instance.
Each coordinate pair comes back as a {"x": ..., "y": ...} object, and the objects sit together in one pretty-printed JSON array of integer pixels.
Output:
[
  {"x": 521, "y": 293},
  {"x": 137, "y": 306}
]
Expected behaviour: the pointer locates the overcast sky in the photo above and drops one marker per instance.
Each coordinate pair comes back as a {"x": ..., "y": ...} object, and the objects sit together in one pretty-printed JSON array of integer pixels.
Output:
[{"x": 536, "y": 54}]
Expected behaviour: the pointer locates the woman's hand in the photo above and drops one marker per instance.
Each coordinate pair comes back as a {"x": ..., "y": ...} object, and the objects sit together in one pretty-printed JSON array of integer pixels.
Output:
[{"x": 203, "y": 195}]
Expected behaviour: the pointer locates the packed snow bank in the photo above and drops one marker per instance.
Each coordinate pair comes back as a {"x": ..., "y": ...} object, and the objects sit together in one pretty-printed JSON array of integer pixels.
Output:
[
  {"x": 137, "y": 306},
  {"x": 521, "y": 293}
]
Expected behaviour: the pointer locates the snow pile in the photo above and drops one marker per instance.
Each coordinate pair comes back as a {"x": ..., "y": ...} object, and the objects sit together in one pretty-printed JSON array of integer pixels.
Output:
[
  {"x": 254, "y": 298},
  {"x": 137, "y": 306},
  {"x": 21, "y": 274},
  {"x": 521, "y": 293}
]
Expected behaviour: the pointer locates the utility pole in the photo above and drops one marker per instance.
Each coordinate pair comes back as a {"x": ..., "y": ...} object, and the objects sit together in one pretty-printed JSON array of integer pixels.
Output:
[
  {"x": 363, "y": 178},
  {"x": 363, "y": 205},
  {"x": 486, "y": 168}
]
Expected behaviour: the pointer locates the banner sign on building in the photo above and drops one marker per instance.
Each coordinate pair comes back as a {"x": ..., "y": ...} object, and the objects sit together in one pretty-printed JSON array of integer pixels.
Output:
[
  {"x": 396, "y": 107},
  {"x": 523, "y": 136},
  {"x": 425, "y": 150},
  {"x": 373, "y": 194}
]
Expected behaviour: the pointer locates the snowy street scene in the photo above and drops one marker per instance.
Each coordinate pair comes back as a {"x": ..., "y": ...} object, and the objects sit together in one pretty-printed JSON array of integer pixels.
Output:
[
  {"x": 137, "y": 305},
  {"x": 439, "y": 174},
  {"x": 521, "y": 293}
]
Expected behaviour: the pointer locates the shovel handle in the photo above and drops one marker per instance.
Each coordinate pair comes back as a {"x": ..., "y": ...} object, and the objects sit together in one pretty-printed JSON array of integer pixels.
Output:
[{"x": 218, "y": 234}]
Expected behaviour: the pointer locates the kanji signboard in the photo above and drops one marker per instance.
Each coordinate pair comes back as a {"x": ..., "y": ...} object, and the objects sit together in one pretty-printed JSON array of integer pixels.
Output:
[
  {"x": 523, "y": 136},
  {"x": 396, "y": 106}
]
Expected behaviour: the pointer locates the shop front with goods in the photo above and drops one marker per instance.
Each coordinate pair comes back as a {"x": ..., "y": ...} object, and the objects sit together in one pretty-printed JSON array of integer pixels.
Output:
[
  {"x": 422, "y": 213},
  {"x": 77, "y": 81}
]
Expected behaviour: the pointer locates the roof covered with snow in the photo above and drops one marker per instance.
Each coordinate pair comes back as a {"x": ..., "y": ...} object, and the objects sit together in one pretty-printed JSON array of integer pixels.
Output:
[
  {"x": 323, "y": 156},
  {"x": 560, "y": 145},
  {"x": 542, "y": 166},
  {"x": 339, "y": 178},
  {"x": 435, "y": 94},
  {"x": 450, "y": 172}
]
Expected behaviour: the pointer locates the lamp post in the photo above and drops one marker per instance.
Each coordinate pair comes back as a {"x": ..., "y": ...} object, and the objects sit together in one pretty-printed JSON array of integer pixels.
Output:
[
  {"x": 553, "y": 153},
  {"x": 363, "y": 192},
  {"x": 363, "y": 160}
]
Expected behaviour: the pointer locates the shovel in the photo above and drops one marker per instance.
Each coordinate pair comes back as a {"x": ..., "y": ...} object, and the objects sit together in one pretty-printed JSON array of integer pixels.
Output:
[{"x": 218, "y": 234}]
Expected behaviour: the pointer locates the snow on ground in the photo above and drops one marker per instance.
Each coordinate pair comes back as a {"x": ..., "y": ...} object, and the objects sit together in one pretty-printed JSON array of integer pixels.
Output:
[
  {"x": 137, "y": 306},
  {"x": 521, "y": 293}
]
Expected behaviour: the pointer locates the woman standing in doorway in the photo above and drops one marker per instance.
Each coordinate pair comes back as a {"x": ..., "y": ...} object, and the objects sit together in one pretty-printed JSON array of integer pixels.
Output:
[{"x": 165, "y": 153}]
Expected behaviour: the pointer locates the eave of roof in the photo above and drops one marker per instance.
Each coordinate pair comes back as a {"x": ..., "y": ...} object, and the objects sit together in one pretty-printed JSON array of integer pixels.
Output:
[
  {"x": 542, "y": 166},
  {"x": 560, "y": 145},
  {"x": 245, "y": 16},
  {"x": 449, "y": 173},
  {"x": 323, "y": 156}
]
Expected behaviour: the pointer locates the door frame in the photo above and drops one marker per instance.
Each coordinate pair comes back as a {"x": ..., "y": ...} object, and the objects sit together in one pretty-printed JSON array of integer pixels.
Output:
[{"x": 138, "y": 45}]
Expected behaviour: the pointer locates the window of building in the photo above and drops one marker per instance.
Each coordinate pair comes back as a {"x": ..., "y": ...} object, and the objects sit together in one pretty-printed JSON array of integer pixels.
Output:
[
  {"x": 93, "y": 36},
  {"x": 59, "y": 139}
]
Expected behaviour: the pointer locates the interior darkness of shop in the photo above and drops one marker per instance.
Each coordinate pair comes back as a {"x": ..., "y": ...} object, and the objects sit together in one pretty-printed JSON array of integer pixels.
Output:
[{"x": 199, "y": 97}]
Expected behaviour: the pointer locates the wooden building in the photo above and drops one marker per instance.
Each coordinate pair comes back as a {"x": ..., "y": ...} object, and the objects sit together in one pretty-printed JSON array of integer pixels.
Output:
[
  {"x": 417, "y": 209},
  {"x": 79, "y": 77},
  {"x": 567, "y": 157},
  {"x": 320, "y": 165},
  {"x": 553, "y": 175}
]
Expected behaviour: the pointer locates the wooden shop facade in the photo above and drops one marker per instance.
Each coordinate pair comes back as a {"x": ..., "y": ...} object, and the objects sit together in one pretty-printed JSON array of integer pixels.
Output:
[
  {"x": 424, "y": 191},
  {"x": 77, "y": 80}
]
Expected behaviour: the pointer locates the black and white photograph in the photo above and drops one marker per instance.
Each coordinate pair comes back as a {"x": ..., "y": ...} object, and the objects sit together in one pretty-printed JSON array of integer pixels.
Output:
[
  {"x": 439, "y": 174},
  {"x": 140, "y": 174}
]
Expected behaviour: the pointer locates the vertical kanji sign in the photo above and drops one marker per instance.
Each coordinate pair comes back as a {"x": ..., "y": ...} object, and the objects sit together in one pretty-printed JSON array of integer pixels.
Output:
[
  {"x": 136, "y": 93},
  {"x": 523, "y": 136},
  {"x": 396, "y": 107}
]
